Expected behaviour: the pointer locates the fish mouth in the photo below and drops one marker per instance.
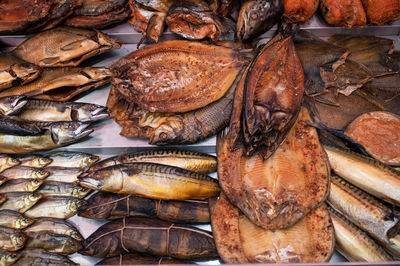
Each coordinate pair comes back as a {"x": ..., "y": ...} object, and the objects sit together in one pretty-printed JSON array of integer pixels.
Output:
[
  {"x": 17, "y": 104},
  {"x": 100, "y": 113},
  {"x": 69, "y": 133},
  {"x": 89, "y": 182}
]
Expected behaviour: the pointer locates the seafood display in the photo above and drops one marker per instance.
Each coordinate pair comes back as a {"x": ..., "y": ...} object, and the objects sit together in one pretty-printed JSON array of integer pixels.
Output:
[
  {"x": 63, "y": 174},
  {"x": 8, "y": 258},
  {"x": 7, "y": 162},
  {"x": 299, "y": 11},
  {"x": 23, "y": 172},
  {"x": 12, "y": 104},
  {"x": 146, "y": 235},
  {"x": 34, "y": 161},
  {"x": 13, "y": 219},
  {"x": 105, "y": 205},
  {"x": 380, "y": 13},
  {"x": 18, "y": 128}
]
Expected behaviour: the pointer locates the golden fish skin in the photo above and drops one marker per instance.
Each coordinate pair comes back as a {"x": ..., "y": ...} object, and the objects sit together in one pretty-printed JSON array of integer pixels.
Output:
[
  {"x": 353, "y": 243},
  {"x": 366, "y": 173},
  {"x": 13, "y": 219},
  {"x": 59, "y": 244},
  {"x": 11, "y": 239},
  {"x": 21, "y": 185},
  {"x": 278, "y": 192},
  {"x": 7, "y": 162},
  {"x": 62, "y": 84},
  {"x": 363, "y": 210},
  {"x": 14, "y": 71},
  {"x": 64, "y": 46},
  {"x": 8, "y": 258},
  {"x": 184, "y": 75},
  {"x": 67, "y": 159},
  {"x": 55, "y": 207},
  {"x": 19, "y": 201},
  {"x": 152, "y": 181},
  {"x": 55, "y": 226},
  {"x": 35, "y": 161},
  {"x": 19, "y": 172},
  {"x": 63, "y": 174},
  {"x": 54, "y": 188}
]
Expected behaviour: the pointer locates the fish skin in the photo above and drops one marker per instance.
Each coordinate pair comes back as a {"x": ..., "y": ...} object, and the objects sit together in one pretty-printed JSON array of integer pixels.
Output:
[
  {"x": 7, "y": 161},
  {"x": 55, "y": 207},
  {"x": 137, "y": 259},
  {"x": 346, "y": 13},
  {"x": 10, "y": 105},
  {"x": 14, "y": 219},
  {"x": 11, "y": 239},
  {"x": 8, "y": 258},
  {"x": 69, "y": 159},
  {"x": 59, "y": 244},
  {"x": 42, "y": 257},
  {"x": 63, "y": 174},
  {"x": 55, "y": 226},
  {"x": 54, "y": 188},
  {"x": 21, "y": 185},
  {"x": 18, "y": 128},
  {"x": 137, "y": 178},
  {"x": 19, "y": 201},
  {"x": 35, "y": 161},
  {"x": 24, "y": 172}
]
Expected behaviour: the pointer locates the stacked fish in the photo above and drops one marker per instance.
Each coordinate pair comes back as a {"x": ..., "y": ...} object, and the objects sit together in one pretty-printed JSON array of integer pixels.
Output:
[
  {"x": 137, "y": 188},
  {"x": 38, "y": 193}
]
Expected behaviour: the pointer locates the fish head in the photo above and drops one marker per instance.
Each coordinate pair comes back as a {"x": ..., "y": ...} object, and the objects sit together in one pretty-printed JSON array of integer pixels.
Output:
[
  {"x": 3, "y": 179},
  {"x": 26, "y": 71},
  {"x": 32, "y": 199},
  {"x": 89, "y": 160},
  {"x": 93, "y": 180},
  {"x": 12, "y": 161},
  {"x": 41, "y": 162},
  {"x": 23, "y": 223},
  {"x": 74, "y": 234},
  {"x": 89, "y": 112},
  {"x": 11, "y": 105},
  {"x": 168, "y": 132},
  {"x": 64, "y": 133},
  {"x": 80, "y": 192},
  {"x": 40, "y": 174},
  {"x": 73, "y": 205},
  {"x": 33, "y": 184},
  {"x": 9, "y": 259},
  {"x": 18, "y": 241}
]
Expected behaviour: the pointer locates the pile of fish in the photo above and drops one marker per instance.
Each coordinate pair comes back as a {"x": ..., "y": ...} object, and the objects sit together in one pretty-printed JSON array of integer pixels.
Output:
[
  {"x": 30, "y": 125},
  {"x": 38, "y": 193},
  {"x": 145, "y": 194}
]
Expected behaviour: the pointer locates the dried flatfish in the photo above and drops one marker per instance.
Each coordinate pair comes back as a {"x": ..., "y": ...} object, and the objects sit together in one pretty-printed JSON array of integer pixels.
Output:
[
  {"x": 353, "y": 243},
  {"x": 12, "y": 104},
  {"x": 256, "y": 17},
  {"x": 379, "y": 133},
  {"x": 62, "y": 84},
  {"x": 19, "y": 201},
  {"x": 99, "y": 21},
  {"x": 21, "y": 185},
  {"x": 55, "y": 207},
  {"x": 184, "y": 75},
  {"x": 25, "y": 172},
  {"x": 137, "y": 259},
  {"x": 198, "y": 162},
  {"x": 346, "y": 13},
  {"x": 70, "y": 159},
  {"x": 17, "y": 15},
  {"x": 11, "y": 239},
  {"x": 151, "y": 180},
  {"x": 55, "y": 243},
  {"x": 18, "y": 128},
  {"x": 299, "y": 11},
  {"x": 13, "y": 219},
  {"x": 277, "y": 192},
  {"x": 64, "y": 46},
  {"x": 145, "y": 235},
  {"x": 105, "y": 205},
  {"x": 7, "y": 162},
  {"x": 55, "y": 226},
  {"x": 8, "y": 258},
  {"x": 382, "y": 12},
  {"x": 41, "y": 257},
  {"x": 14, "y": 71},
  {"x": 195, "y": 21}
]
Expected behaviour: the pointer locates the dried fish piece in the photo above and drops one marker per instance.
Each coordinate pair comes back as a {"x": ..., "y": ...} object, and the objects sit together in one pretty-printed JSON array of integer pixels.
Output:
[
  {"x": 41, "y": 257},
  {"x": 8, "y": 258},
  {"x": 21, "y": 185},
  {"x": 194, "y": 76},
  {"x": 69, "y": 159},
  {"x": 105, "y": 205},
  {"x": 137, "y": 259},
  {"x": 379, "y": 133},
  {"x": 35, "y": 161},
  {"x": 346, "y": 13},
  {"x": 25, "y": 172},
  {"x": 11, "y": 239},
  {"x": 7, "y": 162},
  {"x": 299, "y": 11},
  {"x": 55, "y": 207},
  {"x": 13, "y": 219},
  {"x": 256, "y": 17},
  {"x": 353, "y": 243},
  {"x": 14, "y": 71},
  {"x": 55, "y": 226},
  {"x": 59, "y": 244},
  {"x": 278, "y": 192},
  {"x": 63, "y": 174},
  {"x": 12, "y": 104},
  {"x": 151, "y": 236},
  {"x": 64, "y": 46},
  {"x": 54, "y": 188},
  {"x": 381, "y": 12},
  {"x": 17, "y": 15},
  {"x": 62, "y": 84},
  {"x": 19, "y": 201}
]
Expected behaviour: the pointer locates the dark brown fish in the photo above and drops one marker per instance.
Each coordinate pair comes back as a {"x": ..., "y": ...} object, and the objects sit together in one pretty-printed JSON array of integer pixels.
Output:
[
  {"x": 346, "y": 13},
  {"x": 11, "y": 239},
  {"x": 41, "y": 257},
  {"x": 55, "y": 243},
  {"x": 382, "y": 12},
  {"x": 299, "y": 10},
  {"x": 149, "y": 236},
  {"x": 64, "y": 46},
  {"x": 137, "y": 259},
  {"x": 105, "y": 205},
  {"x": 55, "y": 226}
]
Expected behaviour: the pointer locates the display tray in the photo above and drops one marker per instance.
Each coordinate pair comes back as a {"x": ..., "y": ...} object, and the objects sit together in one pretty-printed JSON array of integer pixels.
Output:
[{"x": 106, "y": 141}]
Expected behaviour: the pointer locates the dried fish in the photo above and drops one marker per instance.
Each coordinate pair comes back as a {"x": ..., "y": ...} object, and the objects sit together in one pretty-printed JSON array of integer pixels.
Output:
[
  {"x": 299, "y": 11},
  {"x": 256, "y": 17},
  {"x": 11, "y": 239},
  {"x": 198, "y": 162},
  {"x": 196, "y": 75},
  {"x": 380, "y": 13},
  {"x": 346, "y": 13},
  {"x": 59, "y": 244},
  {"x": 137, "y": 259},
  {"x": 7, "y": 162},
  {"x": 152, "y": 180},
  {"x": 41, "y": 257},
  {"x": 55, "y": 207},
  {"x": 35, "y": 161},
  {"x": 55, "y": 226},
  {"x": 13, "y": 219},
  {"x": 54, "y": 188},
  {"x": 2, "y": 181},
  {"x": 145, "y": 235},
  {"x": 278, "y": 192},
  {"x": 366, "y": 173},
  {"x": 19, "y": 172},
  {"x": 14, "y": 71},
  {"x": 62, "y": 84},
  {"x": 19, "y": 201},
  {"x": 98, "y": 7},
  {"x": 105, "y": 205},
  {"x": 64, "y": 46},
  {"x": 221, "y": 7},
  {"x": 51, "y": 111},
  {"x": 21, "y": 185},
  {"x": 8, "y": 258},
  {"x": 379, "y": 133},
  {"x": 63, "y": 174},
  {"x": 68, "y": 159},
  {"x": 12, "y": 104},
  {"x": 18, "y": 128},
  {"x": 58, "y": 134},
  {"x": 2, "y": 199}
]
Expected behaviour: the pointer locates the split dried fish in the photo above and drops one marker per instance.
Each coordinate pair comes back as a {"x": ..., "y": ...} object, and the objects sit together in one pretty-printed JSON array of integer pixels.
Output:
[
  {"x": 54, "y": 188},
  {"x": 145, "y": 235},
  {"x": 346, "y": 13},
  {"x": 68, "y": 159},
  {"x": 8, "y": 258},
  {"x": 35, "y": 161},
  {"x": 59, "y": 244},
  {"x": 41, "y": 257},
  {"x": 62, "y": 84},
  {"x": 64, "y": 46},
  {"x": 12, "y": 104},
  {"x": 105, "y": 205},
  {"x": 13, "y": 219},
  {"x": 366, "y": 173},
  {"x": 11, "y": 239},
  {"x": 63, "y": 174},
  {"x": 194, "y": 76},
  {"x": 299, "y": 11},
  {"x": 152, "y": 180},
  {"x": 19, "y": 201},
  {"x": 7, "y": 161},
  {"x": 278, "y": 192},
  {"x": 55, "y": 226},
  {"x": 55, "y": 207},
  {"x": 19, "y": 172},
  {"x": 18, "y": 128},
  {"x": 21, "y": 185},
  {"x": 14, "y": 71}
]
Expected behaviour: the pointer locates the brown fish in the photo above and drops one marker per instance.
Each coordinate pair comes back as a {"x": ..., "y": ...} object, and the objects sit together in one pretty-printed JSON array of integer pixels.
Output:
[
  {"x": 19, "y": 201},
  {"x": 54, "y": 188},
  {"x": 7, "y": 162},
  {"x": 13, "y": 219},
  {"x": 64, "y": 46},
  {"x": 41, "y": 257},
  {"x": 63, "y": 174},
  {"x": 55, "y": 243},
  {"x": 35, "y": 161},
  {"x": 55, "y": 226},
  {"x": 8, "y": 258},
  {"x": 21, "y": 185},
  {"x": 299, "y": 11},
  {"x": 11, "y": 239},
  {"x": 19, "y": 172},
  {"x": 346, "y": 13},
  {"x": 12, "y": 104},
  {"x": 382, "y": 12},
  {"x": 55, "y": 207}
]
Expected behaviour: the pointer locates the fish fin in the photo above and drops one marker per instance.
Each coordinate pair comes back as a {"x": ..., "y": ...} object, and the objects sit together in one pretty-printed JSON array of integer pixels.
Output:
[
  {"x": 72, "y": 46},
  {"x": 50, "y": 60}
]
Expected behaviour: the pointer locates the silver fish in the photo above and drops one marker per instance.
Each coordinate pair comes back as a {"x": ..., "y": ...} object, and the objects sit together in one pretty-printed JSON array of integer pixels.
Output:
[
  {"x": 11, "y": 239},
  {"x": 11, "y": 105},
  {"x": 53, "y": 188},
  {"x": 78, "y": 160}
]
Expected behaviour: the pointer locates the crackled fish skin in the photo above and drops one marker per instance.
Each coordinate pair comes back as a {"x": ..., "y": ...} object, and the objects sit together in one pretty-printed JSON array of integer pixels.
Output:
[
  {"x": 21, "y": 185},
  {"x": 299, "y": 10},
  {"x": 55, "y": 207},
  {"x": 55, "y": 226},
  {"x": 185, "y": 75},
  {"x": 8, "y": 258},
  {"x": 11, "y": 239},
  {"x": 13, "y": 219},
  {"x": 69, "y": 159},
  {"x": 382, "y": 12},
  {"x": 19, "y": 201},
  {"x": 64, "y": 46},
  {"x": 256, "y": 17},
  {"x": 12, "y": 104},
  {"x": 42, "y": 257},
  {"x": 346, "y": 13}
]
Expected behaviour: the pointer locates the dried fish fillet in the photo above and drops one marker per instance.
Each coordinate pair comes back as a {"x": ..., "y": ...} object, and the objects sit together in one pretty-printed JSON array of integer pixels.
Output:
[
  {"x": 382, "y": 12},
  {"x": 346, "y": 13},
  {"x": 64, "y": 46},
  {"x": 278, "y": 192},
  {"x": 299, "y": 10},
  {"x": 184, "y": 75}
]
